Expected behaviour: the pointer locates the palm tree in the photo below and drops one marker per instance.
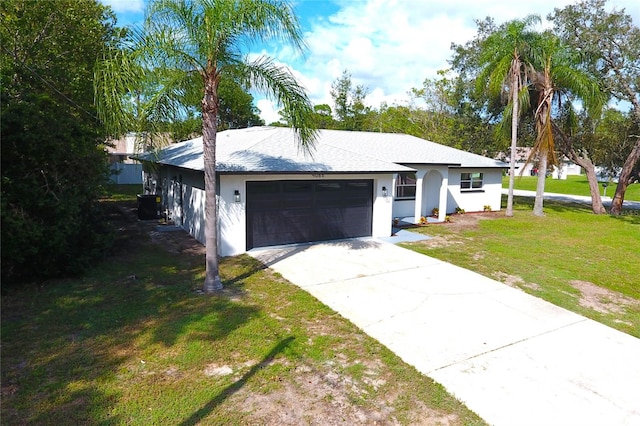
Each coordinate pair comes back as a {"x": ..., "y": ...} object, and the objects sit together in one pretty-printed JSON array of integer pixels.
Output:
[
  {"x": 556, "y": 77},
  {"x": 502, "y": 59},
  {"x": 200, "y": 42}
]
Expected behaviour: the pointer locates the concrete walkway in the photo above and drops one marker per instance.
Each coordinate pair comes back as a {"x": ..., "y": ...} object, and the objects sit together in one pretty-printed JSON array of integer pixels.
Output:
[{"x": 512, "y": 358}]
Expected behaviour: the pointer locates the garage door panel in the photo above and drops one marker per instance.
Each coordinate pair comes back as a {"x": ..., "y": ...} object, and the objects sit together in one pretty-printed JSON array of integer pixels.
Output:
[
  {"x": 353, "y": 222},
  {"x": 285, "y": 212},
  {"x": 285, "y": 228}
]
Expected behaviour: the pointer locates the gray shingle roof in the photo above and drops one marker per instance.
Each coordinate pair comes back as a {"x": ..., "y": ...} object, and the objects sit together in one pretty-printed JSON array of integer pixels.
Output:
[{"x": 275, "y": 149}]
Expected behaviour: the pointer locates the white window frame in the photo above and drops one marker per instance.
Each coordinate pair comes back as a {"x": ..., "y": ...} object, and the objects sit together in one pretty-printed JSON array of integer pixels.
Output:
[
  {"x": 471, "y": 181},
  {"x": 402, "y": 185}
]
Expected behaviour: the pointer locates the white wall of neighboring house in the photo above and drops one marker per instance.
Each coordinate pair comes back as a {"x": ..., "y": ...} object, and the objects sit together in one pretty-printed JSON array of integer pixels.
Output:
[
  {"x": 564, "y": 169},
  {"x": 559, "y": 172},
  {"x": 126, "y": 173},
  {"x": 124, "y": 170},
  {"x": 568, "y": 169},
  {"x": 605, "y": 175}
]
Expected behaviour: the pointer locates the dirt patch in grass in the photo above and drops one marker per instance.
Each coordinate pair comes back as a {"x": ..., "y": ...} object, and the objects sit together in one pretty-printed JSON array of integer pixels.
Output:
[
  {"x": 325, "y": 395},
  {"x": 466, "y": 221},
  {"x": 601, "y": 299},
  {"x": 515, "y": 281},
  {"x": 447, "y": 233},
  {"x": 310, "y": 393}
]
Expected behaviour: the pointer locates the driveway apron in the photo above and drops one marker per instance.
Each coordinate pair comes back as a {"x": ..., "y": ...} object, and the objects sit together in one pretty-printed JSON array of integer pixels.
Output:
[{"x": 512, "y": 358}]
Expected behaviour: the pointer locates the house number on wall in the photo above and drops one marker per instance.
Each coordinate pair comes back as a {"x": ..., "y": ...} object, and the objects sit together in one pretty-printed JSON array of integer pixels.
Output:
[{"x": 317, "y": 175}]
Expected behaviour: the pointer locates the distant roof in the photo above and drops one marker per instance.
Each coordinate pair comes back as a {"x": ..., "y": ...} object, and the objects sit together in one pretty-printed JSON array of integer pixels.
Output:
[{"x": 276, "y": 149}]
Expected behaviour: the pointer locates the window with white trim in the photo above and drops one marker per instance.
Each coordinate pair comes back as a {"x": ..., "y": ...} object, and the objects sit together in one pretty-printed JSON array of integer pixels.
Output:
[
  {"x": 471, "y": 181},
  {"x": 406, "y": 186}
]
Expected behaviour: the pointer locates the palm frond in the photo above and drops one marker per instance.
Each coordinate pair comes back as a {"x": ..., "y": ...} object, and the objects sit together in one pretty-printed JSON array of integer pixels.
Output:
[{"x": 280, "y": 85}]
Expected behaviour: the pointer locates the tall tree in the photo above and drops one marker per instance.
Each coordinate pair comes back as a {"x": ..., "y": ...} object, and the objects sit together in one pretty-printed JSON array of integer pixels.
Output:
[
  {"x": 556, "y": 77},
  {"x": 237, "y": 109},
  {"x": 444, "y": 109},
  {"x": 612, "y": 42},
  {"x": 53, "y": 157},
  {"x": 349, "y": 107},
  {"x": 323, "y": 116},
  {"x": 503, "y": 60},
  {"x": 201, "y": 42},
  {"x": 576, "y": 139}
]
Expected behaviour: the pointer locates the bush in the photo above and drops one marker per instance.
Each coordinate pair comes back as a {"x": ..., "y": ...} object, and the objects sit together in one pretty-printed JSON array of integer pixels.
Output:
[{"x": 53, "y": 169}]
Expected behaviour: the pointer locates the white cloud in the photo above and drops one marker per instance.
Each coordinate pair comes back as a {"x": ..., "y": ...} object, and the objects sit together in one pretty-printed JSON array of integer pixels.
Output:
[
  {"x": 268, "y": 112},
  {"x": 391, "y": 46},
  {"x": 125, "y": 6}
]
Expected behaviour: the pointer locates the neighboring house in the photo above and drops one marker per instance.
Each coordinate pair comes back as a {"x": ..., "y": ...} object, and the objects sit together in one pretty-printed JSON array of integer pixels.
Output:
[
  {"x": 564, "y": 169},
  {"x": 353, "y": 184},
  {"x": 607, "y": 174},
  {"x": 124, "y": 170}
]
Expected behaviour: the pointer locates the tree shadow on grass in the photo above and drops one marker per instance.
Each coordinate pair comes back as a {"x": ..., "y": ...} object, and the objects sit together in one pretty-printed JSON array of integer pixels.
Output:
[
  {"x": 63, "y": 341},
  {"x": 632, "y": 217},
  {"x": 233, "y": 388}
]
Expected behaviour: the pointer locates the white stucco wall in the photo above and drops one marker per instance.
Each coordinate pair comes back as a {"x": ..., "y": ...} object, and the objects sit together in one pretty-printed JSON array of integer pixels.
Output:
[
  {"x": 183, "y": 197},
  {"x": 189, "y": 211},
  {"x": 232, "y": 216},
  {"x": 474, "y": 201},
  {"x": 431, "y": 191}
]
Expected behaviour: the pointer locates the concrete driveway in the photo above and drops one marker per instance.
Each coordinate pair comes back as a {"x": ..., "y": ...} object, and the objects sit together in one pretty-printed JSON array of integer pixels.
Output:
[{"x": 512, "y": 358}]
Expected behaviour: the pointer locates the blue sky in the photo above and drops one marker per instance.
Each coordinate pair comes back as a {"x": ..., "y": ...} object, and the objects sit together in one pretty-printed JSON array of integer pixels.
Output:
[{"x": 388, "y": 46}]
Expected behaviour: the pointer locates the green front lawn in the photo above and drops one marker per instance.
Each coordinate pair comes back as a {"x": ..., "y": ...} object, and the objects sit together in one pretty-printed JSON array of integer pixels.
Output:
[
  {"x": 574, "y": 185},
  {"x": 586, "y": 263},
  {"x": 133, "y": 343}
]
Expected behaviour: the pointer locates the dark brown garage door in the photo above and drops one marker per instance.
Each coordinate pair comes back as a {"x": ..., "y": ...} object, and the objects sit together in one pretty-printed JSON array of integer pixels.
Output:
[{"x": 292, "y": 211}]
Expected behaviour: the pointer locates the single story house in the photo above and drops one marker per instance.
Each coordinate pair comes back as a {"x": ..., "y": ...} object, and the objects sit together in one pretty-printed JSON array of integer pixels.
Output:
[
  {"x": 561, "y": 171},
  {"x": 351, "y": 184},
  {"x": 124, "y": 169}
]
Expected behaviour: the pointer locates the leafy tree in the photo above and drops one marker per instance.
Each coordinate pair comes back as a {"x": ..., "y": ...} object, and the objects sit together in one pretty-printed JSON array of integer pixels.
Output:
[
  {"x": 445, "y": 112},
  {"x": 611, "y": 41},
  {"x": 556, "y": 78},
  {"x": 237, "y": 110},
  {"x": 576, "y": 142},
  {"x": 614, "y": 141},
  {"x": 200, "y": 42},
  {"x": 323, "y": 116},
  {"x": 53, "y": 159},
  {"x": 502, "y": 58},
  {"x": 401, "y": 119},
  {"x": 349, "y": 107}
]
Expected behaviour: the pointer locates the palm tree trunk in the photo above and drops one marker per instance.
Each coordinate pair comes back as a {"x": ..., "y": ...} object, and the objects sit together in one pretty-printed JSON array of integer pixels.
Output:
[
  {"x": 542, "y": 175},
  {"x": 623, "y": 179},
  {"x": 212, "y": 281},
  {"x": 514, "y": 141}
]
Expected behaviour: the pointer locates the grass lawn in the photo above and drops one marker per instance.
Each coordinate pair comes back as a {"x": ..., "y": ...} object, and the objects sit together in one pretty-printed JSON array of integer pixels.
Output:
[
  {"x": 115, "y": 192},
  {"x": 586, "y": 263},
  {"x": 575, "y": 185},
  {"x": 132, "y": 343}
]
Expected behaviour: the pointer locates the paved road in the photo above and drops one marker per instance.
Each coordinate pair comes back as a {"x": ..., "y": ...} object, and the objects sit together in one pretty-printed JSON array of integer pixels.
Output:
[{"x": 512, "y": 358}]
